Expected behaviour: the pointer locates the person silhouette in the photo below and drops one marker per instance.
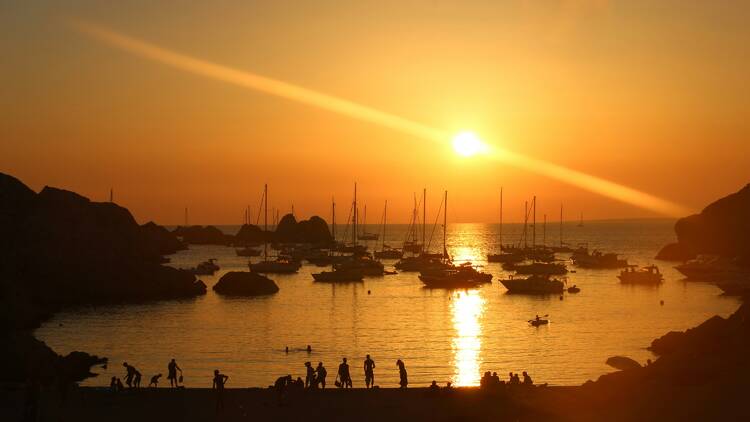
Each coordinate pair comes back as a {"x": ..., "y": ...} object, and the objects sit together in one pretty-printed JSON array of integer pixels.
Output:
[
  {"x": 320, "y": 375},
  {"x": 130, "y": 372},
  {"x": 403, "y": 381},
  {"x": 172, "y": 369},
  {"x": 310, "y": 375},
  {"x": 369, "y": 372},
  {"x": 344, "y": 376},
  {"x": 154, "y": 381},
  {"x": 219, "y": 381}
]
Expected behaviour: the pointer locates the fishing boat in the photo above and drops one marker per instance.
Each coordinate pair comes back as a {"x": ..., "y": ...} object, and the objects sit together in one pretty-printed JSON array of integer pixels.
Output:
[
  {"x": 645, "y": 275},
  {"x": 598, "y": 260},
  {"x": 206, "y": 267},
  {"x": 282, "y": 264},
  {"x": 506, "y": 257},
  {"x": 535, "y": 284},
  {"x": 537, "y": 268}
]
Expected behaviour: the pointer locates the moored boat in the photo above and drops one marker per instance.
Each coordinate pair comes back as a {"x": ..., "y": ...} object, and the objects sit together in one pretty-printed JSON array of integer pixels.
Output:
[
  {"x": 538, "y": 268},
  {"x": 598, "y": 260},
  {"x": 645, "y": 275},
  {"x": 206, "y": 267},
  {"x": 339, "y": 275},
  {"x": 458, "y": 276},
  {"x": 535, "y": 284}
]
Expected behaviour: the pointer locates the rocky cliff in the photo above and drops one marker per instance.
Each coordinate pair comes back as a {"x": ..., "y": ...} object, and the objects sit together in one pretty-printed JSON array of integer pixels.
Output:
[{"x": 722, "y": 228}]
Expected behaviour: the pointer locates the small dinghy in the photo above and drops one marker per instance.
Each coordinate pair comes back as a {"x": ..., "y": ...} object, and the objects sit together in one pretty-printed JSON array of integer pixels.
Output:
[
  {"x": 574, "y": 289},
  {"x": 539, "y": 321}
]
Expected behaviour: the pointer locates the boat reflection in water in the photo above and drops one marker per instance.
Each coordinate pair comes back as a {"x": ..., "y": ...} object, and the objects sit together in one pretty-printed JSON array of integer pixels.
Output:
[{"x": 467, "y": 308}]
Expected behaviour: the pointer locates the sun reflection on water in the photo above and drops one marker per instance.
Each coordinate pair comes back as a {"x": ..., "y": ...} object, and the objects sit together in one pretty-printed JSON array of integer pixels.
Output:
[{"x": 467, "y": 309}]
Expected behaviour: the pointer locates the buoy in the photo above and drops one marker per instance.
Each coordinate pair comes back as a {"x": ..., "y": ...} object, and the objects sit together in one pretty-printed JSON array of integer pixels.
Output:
[
  {"x": 661, "y": 302},
  {"x": 368, "y": 292},
  {"x": 561, "y": 298}
]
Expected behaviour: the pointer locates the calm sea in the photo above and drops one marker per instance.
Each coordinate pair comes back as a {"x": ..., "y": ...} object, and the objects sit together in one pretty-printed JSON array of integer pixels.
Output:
[{"x": 440, "y": 335}]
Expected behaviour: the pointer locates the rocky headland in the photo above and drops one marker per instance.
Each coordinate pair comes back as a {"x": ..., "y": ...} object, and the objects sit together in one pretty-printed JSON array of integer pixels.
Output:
[
  {"x": 59, "y": 249},
  {"x": 243, "y": 283}
]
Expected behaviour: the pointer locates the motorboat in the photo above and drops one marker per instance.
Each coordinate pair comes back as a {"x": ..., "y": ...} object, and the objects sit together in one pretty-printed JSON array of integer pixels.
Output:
[
  {"x": 598, "y": 260},
  {"x": 535, "y": 284},
  {"x": 206, "y": 267},
  {"x": 711, "y": 268},
  {"x": 538, "y": 268},
  {"x": 646, "y": 275},
  {"x": 574, "y": 289}
]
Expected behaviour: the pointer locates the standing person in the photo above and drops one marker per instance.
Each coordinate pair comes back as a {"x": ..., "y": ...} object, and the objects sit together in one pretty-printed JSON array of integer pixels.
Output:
[
  {"x": 320, "y": 375},
  {"x": 310, "y": 375},
  {"x": 137, "y": 379},
  {"x": 403, "y": 381},
  {"x": 369, "y": 372},
  {"x": 172, "y": 369},
  {"x": 218, "y": 385},
  {"x": 344, "y": 376}
]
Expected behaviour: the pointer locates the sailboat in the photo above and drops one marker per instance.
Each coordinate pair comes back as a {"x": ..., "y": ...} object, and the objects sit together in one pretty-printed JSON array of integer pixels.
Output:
[
  {"x": 386, "y": 252},
  {"x": 452, "y": 276},
  {"x": 364, "y": 235},
  {"x": 423, "y": 260},
  {"x": 281, "y": 265},
  {"x": 503, "y": 256},
  {"x": 413, "y": 245},
  {"x": 354, "y": 267},
  {"x": 563, "y": 246}
]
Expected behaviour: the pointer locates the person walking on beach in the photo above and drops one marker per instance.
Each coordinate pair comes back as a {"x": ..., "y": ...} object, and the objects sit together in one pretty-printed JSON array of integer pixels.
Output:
[
  {"x": 310, "y": 375},
  {"x": 172, "y": 369},
  {"x": 344, "y": 376},
  {"x": 369, "y": 372},
  {"x": 219, "y": 381},
  {"x": 403, "y": 381},
  {"x": 320, "y": 375}
]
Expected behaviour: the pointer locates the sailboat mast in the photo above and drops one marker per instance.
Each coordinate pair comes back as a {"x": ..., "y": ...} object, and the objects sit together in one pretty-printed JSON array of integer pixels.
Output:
[
  {"x": 354, "y": 217},
  {"x": 385, "y": 216},
  {"x": 265, "y": 222},
  {"x": 501, "y": 218},
  {"x": 561, "y": 228},
  {"x": 364, "y": 221},
  {"x": 533, "y": 228},
  {"x": 333, "y": 219},
  {"x": 424, "y": 219},
  {"x": 525, "y": 223},
  {"x": 445, "y": 226},
  {"x": 544, "y": 231}
]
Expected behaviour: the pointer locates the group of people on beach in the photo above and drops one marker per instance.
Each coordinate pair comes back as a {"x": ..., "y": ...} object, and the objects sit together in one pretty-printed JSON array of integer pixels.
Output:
[
  {"x": 492, "y": 380},
  {"x": 133, "y": 377},
  {"x": 315, "y": 378}
]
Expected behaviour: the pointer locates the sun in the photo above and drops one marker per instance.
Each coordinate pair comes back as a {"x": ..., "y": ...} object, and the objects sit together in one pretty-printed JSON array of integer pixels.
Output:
[{"x": 468, "y": 144}]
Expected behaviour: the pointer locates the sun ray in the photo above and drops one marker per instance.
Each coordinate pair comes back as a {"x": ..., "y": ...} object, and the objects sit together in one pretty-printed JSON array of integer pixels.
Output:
[{"x": 348, "y": 108}]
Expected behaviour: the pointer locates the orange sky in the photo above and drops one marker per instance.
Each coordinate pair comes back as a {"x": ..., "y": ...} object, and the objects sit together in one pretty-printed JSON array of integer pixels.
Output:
[{"x": 652, "y": 96}]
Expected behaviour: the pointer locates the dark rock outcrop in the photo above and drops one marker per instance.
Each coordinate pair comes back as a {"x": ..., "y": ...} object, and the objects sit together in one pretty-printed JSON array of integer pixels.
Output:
[
  {"x": 162, "y": 240},
  {"x": 57, "y": 249},
  {"x": 250, "y": 234},
  {"x": 722, "y": 228},
  {"x": 202, "y": 235},
  {"x": 240, "y": 283},
  {"x": 315, "y": 231}
]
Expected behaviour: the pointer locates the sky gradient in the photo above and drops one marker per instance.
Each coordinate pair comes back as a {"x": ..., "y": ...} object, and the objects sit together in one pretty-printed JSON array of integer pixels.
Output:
[{"x": 648, "y": 95}]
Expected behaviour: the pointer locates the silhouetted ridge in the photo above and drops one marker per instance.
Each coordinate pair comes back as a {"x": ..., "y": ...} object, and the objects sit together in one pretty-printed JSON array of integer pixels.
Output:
[{"x": 202, "y": 235}]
